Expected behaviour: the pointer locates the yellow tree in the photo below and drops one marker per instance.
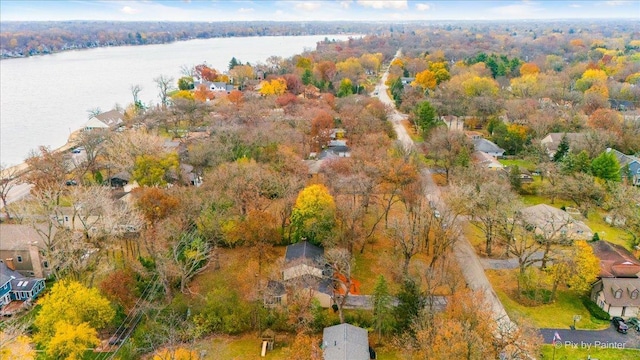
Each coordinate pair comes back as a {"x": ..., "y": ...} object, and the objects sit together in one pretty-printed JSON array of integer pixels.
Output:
[
  {"x": 313, "y": 215},
  {"x": 16, "y": 348},
  {"x": 590, "y": 78},
  {"x": 71, "y": 341},
  {"x": 525, "y": 86},
  {"x": 71, "y": 304},
  {"x": 426, "y": 80},
  {"x": 586, "y": 267},
  {"x": 480, "y": 86},
  {"x": 183, "y": 94},
  {"x": 350, "y": 68},
  {"x": 273, "y": 87},
  {"x": 440, "y": 71}
]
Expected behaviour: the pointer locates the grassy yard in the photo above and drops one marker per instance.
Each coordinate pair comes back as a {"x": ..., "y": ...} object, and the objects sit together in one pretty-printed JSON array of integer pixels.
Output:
[
  {"x": 558, "y": 314},
  {"x": 520, "y": 163},
  {"x": 570, "y": 353},
  {"x": 245, "y": 347}
]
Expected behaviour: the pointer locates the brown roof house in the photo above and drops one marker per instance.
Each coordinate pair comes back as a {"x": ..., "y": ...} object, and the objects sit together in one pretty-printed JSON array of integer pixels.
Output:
[
  {"x": 617, "y": 290},
  {"x": 21, "y": 250}
]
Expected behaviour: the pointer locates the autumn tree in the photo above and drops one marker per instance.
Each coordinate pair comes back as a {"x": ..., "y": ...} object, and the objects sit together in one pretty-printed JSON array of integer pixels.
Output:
[
  {"x": 321, "y": 126},
  {"x": 606, "y": 120},
  {"x": 16, "y": 347},
  {"x": 192, "y": 254},
  {"x": 68, "y": 319},
  {"x": 273, "y": 87},
  {"x": 529, "y": 69},
  {"x": 448, "y": 149},
  {"x": 578, "y": 268},
  {"x": 117, "y": 287},
  {"x": 313, "y": 216},
  {"x": 346, "y": 88},
  {"x": 240, "y": 74},
  {"x": 426, "y": 80},
  {"x": 480, "y": 86},
  {"x": 154, "y": 170},
  {"x": 47, "y": 169},
  {"x": 179, "y": 353},
  {"x": 342, "y": 264}
]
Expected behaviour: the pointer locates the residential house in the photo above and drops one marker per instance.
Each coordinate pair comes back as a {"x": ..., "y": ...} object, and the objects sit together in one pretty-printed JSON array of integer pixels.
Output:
[
  {"x": 407, "y": 80},
  {"x": 346, "y": 342},
  {"x": 120, "y": 179},
  {"x": 108, "y": 120},
  {"x": 335, "y": 148},
  {"x": 617, "y": 290},
  {"x": 16, "y": 289},
  {"x": 554, "y": 223},
  {"x": 485, "y": 160},
  {"x": 629, "y": 166},
  {"x": 21, "y": 249},
  {"x": 473, "y": 135},
  {"x": 621, "y": 105},
  {"x": 304, "y": 270},
  {"x": 215, "y": 86},
  {"x": 552, "y": 141},
  {"x": 488, "y": 147}
]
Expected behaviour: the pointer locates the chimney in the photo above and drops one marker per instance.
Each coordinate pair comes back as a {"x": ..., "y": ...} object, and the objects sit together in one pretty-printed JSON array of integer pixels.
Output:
[{"x": 9, "y": 263}]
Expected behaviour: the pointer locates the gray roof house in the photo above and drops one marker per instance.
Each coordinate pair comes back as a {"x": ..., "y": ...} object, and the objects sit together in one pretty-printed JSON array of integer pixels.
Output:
[
  {"x": 346, "y": 342},
  {"x": 488, "y": 147},
  {"x": 107, "y": 120},
  {"x": 303, "y": 259},
  {"x": 629, "y": 166}
]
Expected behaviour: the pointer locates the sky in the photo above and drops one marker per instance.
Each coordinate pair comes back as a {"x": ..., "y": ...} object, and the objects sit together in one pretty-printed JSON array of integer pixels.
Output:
[{"x": 313, "y": 10}]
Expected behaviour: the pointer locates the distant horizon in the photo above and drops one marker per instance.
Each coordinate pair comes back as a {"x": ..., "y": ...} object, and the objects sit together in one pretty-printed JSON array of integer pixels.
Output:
[{"x": 315, "y": 10}]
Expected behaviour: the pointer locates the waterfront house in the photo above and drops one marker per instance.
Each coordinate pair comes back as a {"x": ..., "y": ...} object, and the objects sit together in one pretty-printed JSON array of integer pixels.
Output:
[{"x": 108, "y": 120}]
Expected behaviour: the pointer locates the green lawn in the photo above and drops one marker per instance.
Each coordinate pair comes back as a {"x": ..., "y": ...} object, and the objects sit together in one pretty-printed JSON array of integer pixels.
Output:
[
  {"x": 520, "y": 163},
  {"x": 570, "y": 353},
  {"x": 558, "y": 314},
  {"x": 605, "y": 231}
]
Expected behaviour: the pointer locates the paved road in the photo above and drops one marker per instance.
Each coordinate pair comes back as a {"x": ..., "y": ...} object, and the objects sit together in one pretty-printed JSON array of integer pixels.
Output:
[
  {"x": 465, "y": 255},
  {"x": 589, "y": 339}
]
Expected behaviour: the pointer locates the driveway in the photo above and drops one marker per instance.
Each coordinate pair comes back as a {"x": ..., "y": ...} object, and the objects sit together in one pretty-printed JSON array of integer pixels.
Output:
[
  {"x": 512, "y": 263},
  {"x": 589, "y": 339}
]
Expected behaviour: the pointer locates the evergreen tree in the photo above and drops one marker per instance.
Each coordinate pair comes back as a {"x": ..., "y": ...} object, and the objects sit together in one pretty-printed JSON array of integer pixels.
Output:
[
  {"x": 234, "y": 62},
  {"x": 410, "y": 302},
  {"x": 382, "y": 307},
  {"x": 606, "y": 166},
  {"x": 563, "y": 149},
  {"x": 425, "y": 116}
]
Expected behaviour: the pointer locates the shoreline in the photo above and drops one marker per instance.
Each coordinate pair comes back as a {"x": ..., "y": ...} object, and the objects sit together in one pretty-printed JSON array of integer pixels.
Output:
[{"x": 21, "y": 168}]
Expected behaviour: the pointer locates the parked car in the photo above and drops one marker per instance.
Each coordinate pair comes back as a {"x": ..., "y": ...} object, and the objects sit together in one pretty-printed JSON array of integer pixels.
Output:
[
  {"x": 78, "y": 150},
  {"x": 634, "y": 323},
  {"x": 619, "y": 324}
]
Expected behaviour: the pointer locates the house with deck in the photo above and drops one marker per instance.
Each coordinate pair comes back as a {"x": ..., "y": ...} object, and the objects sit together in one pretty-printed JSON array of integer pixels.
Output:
[{"x": 617, "y": 290}]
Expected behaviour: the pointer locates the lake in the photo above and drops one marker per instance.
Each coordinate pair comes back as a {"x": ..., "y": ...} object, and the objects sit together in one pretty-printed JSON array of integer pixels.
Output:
[{"x": 44, "y": 98}]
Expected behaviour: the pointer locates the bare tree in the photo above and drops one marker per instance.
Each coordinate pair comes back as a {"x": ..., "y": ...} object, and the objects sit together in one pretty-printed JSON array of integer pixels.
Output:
[
  {"x": 165, "y": 85},
  {"x": 192, "y": 255},
  {"x": 8, "y": 179},
  {"x": 341, "y": 264}
]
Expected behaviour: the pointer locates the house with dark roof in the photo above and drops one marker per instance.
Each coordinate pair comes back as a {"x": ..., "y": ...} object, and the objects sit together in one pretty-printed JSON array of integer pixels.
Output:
[
  {"x": 629, "y": 166},
  {"x": 303, "y": 259},
  {"x": 16, "y": 289},
  {"x": 617, "y": 290},
  {"x": 346, "y": 342},
  {"x": 488, "y": 147}
]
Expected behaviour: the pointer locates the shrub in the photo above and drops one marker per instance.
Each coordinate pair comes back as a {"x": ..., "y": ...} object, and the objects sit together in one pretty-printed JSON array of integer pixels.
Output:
[{"x": 595, "y": 310}]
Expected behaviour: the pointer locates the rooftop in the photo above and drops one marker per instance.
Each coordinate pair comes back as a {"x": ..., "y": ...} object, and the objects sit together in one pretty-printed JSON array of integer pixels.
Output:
[
  {"x": 303, "y": 250},
  {"x": 345, "y": 342},
  {"x": 615, "y": 261}
]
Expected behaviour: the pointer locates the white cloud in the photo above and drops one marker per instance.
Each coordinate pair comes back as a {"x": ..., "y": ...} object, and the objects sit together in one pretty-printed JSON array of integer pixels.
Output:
[
  {"x": 423, "y": 7},
  {"x": 575, "y": 5},
  {"x": 384, "y": 4},
  {"x": 345, "y": 4},
  {"x": 245, "y": 10},
  {"x": 616, "y": 3},
  {"x": 129, "y": 10},
  {"x": 308, "y": 6}
]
